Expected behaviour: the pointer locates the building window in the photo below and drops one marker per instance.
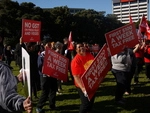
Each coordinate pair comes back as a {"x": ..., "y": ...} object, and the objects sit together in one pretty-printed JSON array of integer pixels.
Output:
[
  {"x": 142, "y": 12},
  {"x": 116, "y": 4},
  {"x": 125, "y": 3},
  {"x": 116, "y": 8},
  {"x": 124, "y": 10},
  {"x": 133, "y": 2},
  {"x": 142, "y": 1},
  {"x": 133, "y": 6},
  {"x": 142, "y": 8},
  {"x": 142, "y": 5}
]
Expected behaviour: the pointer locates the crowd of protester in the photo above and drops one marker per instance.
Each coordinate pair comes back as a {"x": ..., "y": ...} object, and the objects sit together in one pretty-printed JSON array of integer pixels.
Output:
[{"x": 126, "y": 66}]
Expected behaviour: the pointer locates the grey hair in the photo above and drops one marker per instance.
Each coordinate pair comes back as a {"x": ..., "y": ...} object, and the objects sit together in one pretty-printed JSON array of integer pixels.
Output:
[{"x": 58, "y": 44}]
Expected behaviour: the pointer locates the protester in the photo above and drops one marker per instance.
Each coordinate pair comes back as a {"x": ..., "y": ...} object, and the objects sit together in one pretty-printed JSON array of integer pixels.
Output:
[
  {"x": 18, "y": 52},
  {"x": 95, "y": 49},
  {"x": 48, "y": 84},
  {"x": 10, "y": 100},
  {"x": 147, "y": 58},
  {"x": 86, "y": 45},
  {"x": 69, "y": 54},
  {"x": 79, "y": 65},
  {"x": 130, "y": 73},
  {"x": 121, "y": 65},
  {"x": 58, "y": 49},
  {"x": 33, "y": 49},
  {"x": 8, "y": 54},
  {"x": 139, "y": 54}
]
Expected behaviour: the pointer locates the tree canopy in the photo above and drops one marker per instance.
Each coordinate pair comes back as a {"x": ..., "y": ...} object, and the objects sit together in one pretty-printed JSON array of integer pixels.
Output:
[{"x": 86, "y": 25}]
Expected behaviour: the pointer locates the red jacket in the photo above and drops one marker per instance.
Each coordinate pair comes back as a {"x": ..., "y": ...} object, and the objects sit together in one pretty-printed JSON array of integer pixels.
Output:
[
  {"x": 147, "y": 54},
  {"x": 139, "y": 53}
]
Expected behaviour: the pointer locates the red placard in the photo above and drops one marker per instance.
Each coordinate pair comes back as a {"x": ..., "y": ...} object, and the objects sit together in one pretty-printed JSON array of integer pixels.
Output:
[
  {"x": 95, "y": 48},
  {"x": 31, "y": 30},
  {"x": 96, "y": 72},
  {"x": 55, "y": 65},
  {"x": 122, "y": 37}
]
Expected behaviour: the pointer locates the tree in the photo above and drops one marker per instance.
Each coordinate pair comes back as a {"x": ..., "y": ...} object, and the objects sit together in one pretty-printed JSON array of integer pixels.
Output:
[{"x": 57, "y": 22}]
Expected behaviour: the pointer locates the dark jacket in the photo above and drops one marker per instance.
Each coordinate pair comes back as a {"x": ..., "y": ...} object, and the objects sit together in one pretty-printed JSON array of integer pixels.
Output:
[{"x": 40, "y": 62}]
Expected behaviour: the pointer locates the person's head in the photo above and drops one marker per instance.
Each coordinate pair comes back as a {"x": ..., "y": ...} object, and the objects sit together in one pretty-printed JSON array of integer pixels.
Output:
[
  {"x": 65, "y": 40},
  {"x": 53, "y": 45},
  {"x": 80, "y": 49},
  {"x": 31, "y": 46},
  {"x": 58, "y": 45},
  {"x": 46, "y": 43},
  {"x": 85, "y": 44},
  {"x": 8, "y": 47}
]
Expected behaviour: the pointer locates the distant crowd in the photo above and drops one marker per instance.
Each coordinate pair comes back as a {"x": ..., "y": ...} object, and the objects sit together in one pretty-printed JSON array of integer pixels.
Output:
[{"x": 126, "y": 66}]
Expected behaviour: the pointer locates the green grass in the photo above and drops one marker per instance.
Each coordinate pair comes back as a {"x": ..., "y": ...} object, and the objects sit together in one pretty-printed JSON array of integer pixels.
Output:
[{"x": 68, "y": 102}]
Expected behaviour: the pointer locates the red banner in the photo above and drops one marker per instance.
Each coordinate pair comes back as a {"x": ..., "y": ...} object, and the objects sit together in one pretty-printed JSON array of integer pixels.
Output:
[
  {"x": 31, "y": 30},
  {"x": 70, "y": 45},
  {"x": 96, "y": 72},
  {"x": 130, "y": 19},
  {"x": 55, "y": 65},
  {"x": 127, "y": 0},
  {"x": 142, "y": 25},
  {"x": 122, "y": 37},
  {"x": 148, "y": 33}
]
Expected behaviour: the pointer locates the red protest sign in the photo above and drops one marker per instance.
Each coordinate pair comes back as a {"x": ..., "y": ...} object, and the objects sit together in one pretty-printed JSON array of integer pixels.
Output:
[
  {"x": 31, "y": 30},
  {"x": 55, "y": 65},
  {"x": 122, "y": 37},
  {"x": 95, "y": 48},
  {"x": 96, "y": 72}
]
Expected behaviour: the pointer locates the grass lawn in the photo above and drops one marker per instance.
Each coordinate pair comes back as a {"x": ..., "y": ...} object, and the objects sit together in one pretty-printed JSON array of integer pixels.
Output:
[{"x": 68, "y": 102}]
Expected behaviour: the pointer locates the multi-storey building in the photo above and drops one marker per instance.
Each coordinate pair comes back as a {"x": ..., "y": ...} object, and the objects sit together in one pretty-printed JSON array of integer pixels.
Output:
[{"x": 136, "y": 8}]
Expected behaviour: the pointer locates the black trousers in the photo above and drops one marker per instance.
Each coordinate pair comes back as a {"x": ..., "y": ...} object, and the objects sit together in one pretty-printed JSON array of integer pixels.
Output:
[
  {"x": 86, "y": 105},
  {"x": 49, "y": 88},
  {"x": 138, "y": 69},
  {"x": 129, "y": 76},
  {"x": 147, "y": 70},
  {"x": 121, "y": 79}
]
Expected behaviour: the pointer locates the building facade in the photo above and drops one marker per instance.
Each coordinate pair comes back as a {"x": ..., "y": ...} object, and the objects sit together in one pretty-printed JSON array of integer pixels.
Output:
[{"x": 136, "y": 8}]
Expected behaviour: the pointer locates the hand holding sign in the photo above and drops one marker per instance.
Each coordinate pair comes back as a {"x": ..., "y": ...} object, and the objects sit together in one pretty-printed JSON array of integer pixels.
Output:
[
  {"x": 96, "y": 72},
  {"x": 20, "y": 76},
  {"x": 85, "y": 94}
]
